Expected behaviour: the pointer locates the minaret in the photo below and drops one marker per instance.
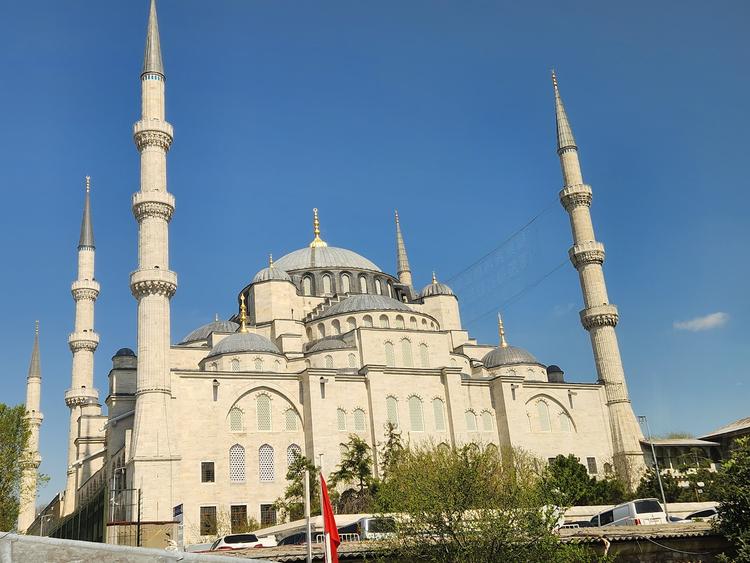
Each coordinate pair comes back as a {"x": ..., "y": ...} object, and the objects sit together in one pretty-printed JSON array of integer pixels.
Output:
[
  {"x": 153, "y": 284},
  {"x": 599, "y": 317},
  {"x": 82, "y": 397},
  {"x": 34, "y": 416},
  {"x": 501, "y": 332},
  {"x": 403, "y": 269}
]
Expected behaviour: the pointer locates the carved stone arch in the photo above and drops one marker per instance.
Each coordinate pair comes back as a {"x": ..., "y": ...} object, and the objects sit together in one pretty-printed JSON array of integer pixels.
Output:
[
  {"x": 556, "y": 408},
  {"x": 269, "y": 389}
]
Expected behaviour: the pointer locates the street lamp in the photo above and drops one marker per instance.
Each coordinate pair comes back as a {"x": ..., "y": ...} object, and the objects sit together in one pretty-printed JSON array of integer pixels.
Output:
[{"x": 644, "y": 420}]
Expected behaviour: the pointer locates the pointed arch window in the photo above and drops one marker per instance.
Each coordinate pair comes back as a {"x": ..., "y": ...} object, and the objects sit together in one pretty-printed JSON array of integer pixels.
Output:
[
  {"x": 542, "y": 412},
  {"x": 336, "y": 324},
  {"x": 359, "y": 420},
  {"x": 346, "y": 283},
  {"x": 307, "y": 285},
  {"x": 329, "y": 361},
  {"x": 326, "y": 284},
  {"x": 236, "y": 420},
  {"x": 293, "y": 453},
  {"x": 416, "y": 415},
  {"x": 290, "y": 420},
  {"x": 367, "y": 320},
  {"x": 321, "y": 330},
  {"x": 406, "y": 352},
  {"x": 400, "y": 322},
  {"x": 486, "y": 421},
  {"x": 390, "y": 357},
  {"x": 413, "y": 322},
  {"x": 237, "y": 464},
  {"x": 566, "y": 425},
  {"x": 391, "y": 410},
  {"x": 424, "y": 355},
  {"x": 265, "y": 463},
  {"x": 352, "y": 361},
  {"x": 390, "y": 290},
  {"x": 258, "y": 364},
  {"x": 263, "y": 407},
  {"x": 438, "y": 411},
  {"x": 471, "y": 421},
  {"x": 384, "y": 323},
  {"x": 235, "y": 363},
  {"x": 378, "y": 287},
  {"x": 351, "y": 323},
  {"x": 341, "y": 419},
  {"x": 362, "y": 284}
]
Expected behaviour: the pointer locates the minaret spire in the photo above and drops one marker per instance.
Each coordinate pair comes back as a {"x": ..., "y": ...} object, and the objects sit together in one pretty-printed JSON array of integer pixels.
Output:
[
  {"x": 87, "y": 230},
  {"x": 599, "y": 317},
  {"x": 501, "y": 332},
  {"x": 152, "y": 54},
  {"x": 404, "y": 270},
  {"x": 34, "y": 416}
]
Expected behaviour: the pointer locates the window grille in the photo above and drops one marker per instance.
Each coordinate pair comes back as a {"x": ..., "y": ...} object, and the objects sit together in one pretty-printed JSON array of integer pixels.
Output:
[
  {"x": 207, "y": 472},
  {"x": 351, "y": 323},
  {"x": 258, "y": 364},
  {"x": 406, "y": 352},
  {"x": 565, "y": 423},
  {"x": 265, "y": 463},
  {"x": 543, "y": 413},
  {"x": 329, "y": 362},
  {"x": 362, "y": 284},
  {"x": 235, "y": 364},
  {"x": 486, "y": 421},
  {"x": 439, "y": 413},
  {"x": 341, "y": 418},
  {"x": 326, "y": 284},
  {"x": 345, "y": 283},
  {"x": 236, "y": 422},
  {"x": 424, "y": 355},
  {"x": 293, "y": 453},
  {"x": 238, "y": 514},
  {"x": 359, "y": 420},
  {"x": 471, "y": 421},
  {"x": 367, "y": 320},
  {"x": 352, "y": 361},
  {"x": 237, "y": 464},
  {"x": 415, "y": 414},
  {"x": 208, "y": 520},
  {"x": 391, "y": 409},
  {"x": 290, "y": 420},
  {"x": 591, "y": 462},
  {"x": 263, "y": 406},
  {"x": 267, "y": 515},
  {"x": 384, "y": 322},
  {"x": 390, "y": 359}
]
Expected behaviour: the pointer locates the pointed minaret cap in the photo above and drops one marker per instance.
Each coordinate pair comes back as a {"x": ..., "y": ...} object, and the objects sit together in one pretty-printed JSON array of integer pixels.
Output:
[
  {"x": 501, "y": 332},
  {"x": 35, "y": 367},
  {"x": 152, "y": 55},
  {"x": 565, "y": 139},
  {"x": 317, "y": 241},
  {"x": 401, "y": 257},
  {"x": 87, "y": 229}
]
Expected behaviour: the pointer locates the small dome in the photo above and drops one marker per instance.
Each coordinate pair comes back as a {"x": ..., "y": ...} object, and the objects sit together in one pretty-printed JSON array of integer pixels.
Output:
[
  {"x": 243, "y": 342},
  {"x": 323, "y": 257},
  {"x": 365, "y": 302},
  {"x": 435, "y": 288},
  {"x": 508, "y": 356},
  {"x": 124, "y": 352},
  {"x": 202, "y": 332},
  {"x": 329, "y": 344},
  {"x": 554, "y": 369},
  {"x": 271, "y": 273}
]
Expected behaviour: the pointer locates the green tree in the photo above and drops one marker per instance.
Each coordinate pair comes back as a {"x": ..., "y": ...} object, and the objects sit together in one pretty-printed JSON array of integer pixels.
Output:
[
  {"x": 390, "y": 449},
  {"x": 649, "y": 486},
  {"x": 733, "y": 494},
  {"x": 355, "y": 468},
  {"x": 568, "y": 483},
  {"x": 472, "y": 504},
  {"x": 14, "y": 460},
  {"x": 292, "y": 505}
]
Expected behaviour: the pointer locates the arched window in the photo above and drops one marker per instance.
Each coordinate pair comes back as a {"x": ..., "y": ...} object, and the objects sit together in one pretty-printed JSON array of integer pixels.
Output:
[
  {"x": 307, "y": 285},
  {"x": 235, "y": 363},
  {"x": 416, "y": 416},
  {"x": 471, "y": 421},
  {"x": 367, "y": 320},
  {"x": 413, "y": 322},
  {"x": 346, "y": 283},
  {"x": 424, "y": 355},
  {"x": 258, "y": 364},
  {"x": 384, "y": 323},
  {"x": 400, "y": 322},
  {"x": 329, "y": 361},
  {"x": 321, "y": 330},
  {"x": 454, "y": 363},
  {"x": 566, "y": 425},
  {"x": 352, "y": 361},
  {"x": 293, "y": 453},
  {"x": 391, "y": 410},
  {"x": 277, "y": 366},
  {"x": 406, "y": 352},
  {"x": 432, "y": 326},
  {"x": 438, "y": 412},
  {"x": 263, "y": 406},
  {"x": 486, "y": 421},
  {"x": 424, "y": 324},
  {"x": 290, "y": 420},
  {"x": 336, "y": 326},
  {"x": 214, "y": 366},
  {"x": 542, "y": 411},
  {"x": 236, "y": 464},
  {"x": 341, "y": 419},
  {"x": 351, "y": 323},
  {"x": 309, "y": 333},
  {"x": 236, "y": 420},
  {"x": 390, "y": 358},
  {"x": 359, "y": 420},
  {"x": 326, "y": 284},
  {"x": 390, "y": 290},
  {"x": 265, "y": 463},
  {"x": 362, "y": 284},
  {"x": 378, "y": 287}
]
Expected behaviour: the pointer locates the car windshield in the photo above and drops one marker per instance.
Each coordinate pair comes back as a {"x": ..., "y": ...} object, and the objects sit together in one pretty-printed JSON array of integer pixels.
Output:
[
  {"x": 241, "y": 538},
  {"x": 645, "y": 506},
  {"x": 382, "y": 525},
  {"x": 213, "y": 545}
]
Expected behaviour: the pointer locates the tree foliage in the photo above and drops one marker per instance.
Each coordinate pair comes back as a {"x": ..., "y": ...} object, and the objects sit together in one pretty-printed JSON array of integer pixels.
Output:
[
  {"x": 567, "y": 482},
  {"x": 390, "y": 449},
  {"x": 292, "y": 505},
  {"x": 355, "y": 468},
  {"x": 14, "y": 436},
  {"x": 733, "y": 494}
]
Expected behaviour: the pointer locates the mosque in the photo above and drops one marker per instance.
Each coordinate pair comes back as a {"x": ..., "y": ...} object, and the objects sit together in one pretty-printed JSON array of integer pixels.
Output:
[{"x": 324, "y": 343}]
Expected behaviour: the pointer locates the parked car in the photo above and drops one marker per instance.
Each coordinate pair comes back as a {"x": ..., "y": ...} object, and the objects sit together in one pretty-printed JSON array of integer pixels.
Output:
[
  {"x": 369, "y": 528},
  {"x": 702, "y": 515},
  {"x": 236, "y": 541},
  {"x": 675, "y": 519},
  {"x": 638, "y": 512},
  {"x": 295, "y": 538}
]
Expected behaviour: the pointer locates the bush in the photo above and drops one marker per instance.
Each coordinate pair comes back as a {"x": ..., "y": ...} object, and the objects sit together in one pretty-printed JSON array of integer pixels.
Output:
[{"x": 733, "y": 489}]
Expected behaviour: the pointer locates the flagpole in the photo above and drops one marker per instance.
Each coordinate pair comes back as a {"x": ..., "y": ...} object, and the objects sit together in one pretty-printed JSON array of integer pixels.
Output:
[
  {"x": 307, "y": 516},
  {"x": 326, "y": 555}
]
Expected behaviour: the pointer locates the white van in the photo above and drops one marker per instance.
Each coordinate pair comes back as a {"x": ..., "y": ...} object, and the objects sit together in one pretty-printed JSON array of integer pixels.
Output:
[{"x": 640, "y": 512}]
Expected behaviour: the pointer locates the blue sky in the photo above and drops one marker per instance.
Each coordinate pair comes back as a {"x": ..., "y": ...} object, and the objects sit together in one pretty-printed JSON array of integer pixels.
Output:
[{"x": 442, "y": 109}]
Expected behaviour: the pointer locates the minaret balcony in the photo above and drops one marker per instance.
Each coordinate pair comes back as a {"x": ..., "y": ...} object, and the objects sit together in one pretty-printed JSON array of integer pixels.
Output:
[
  {"x": 575, "y": 195},
  {"x": 153, "y": 281},
  {"x": 85, "y": 340},
  {"x": 85, "y": 289},
  {"x": 599, "y": 316},
  {"x": 79, "y": 396},
  {"x": 153, "y": 204},
  {"x": 153, "y": 133},
  {"x": 586, "y": 252}
]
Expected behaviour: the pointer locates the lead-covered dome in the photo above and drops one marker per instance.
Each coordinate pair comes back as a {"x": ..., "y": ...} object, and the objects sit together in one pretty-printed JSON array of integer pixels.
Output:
[
  {"x": 435, "y": 288},
  {"x": 324, "y": 257},
  {"x": 271, "y": 273},
  {"x": 202, "y": 332},
  {"x": 365, "y": 302},
  {"x": 243, "y": 342},
  {"x": 508, "y": 356}
]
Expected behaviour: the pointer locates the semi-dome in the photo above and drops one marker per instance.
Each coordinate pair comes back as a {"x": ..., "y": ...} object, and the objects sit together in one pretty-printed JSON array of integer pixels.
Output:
[
  {"x": 243, "y": 342},
  {"x": 508, "y": 356},
  {"x": 271, "y": 273},
  {"x": 435, "y": 288},
  {"x": 323, "y": 257},
  {"x": 329, "y": 344},
  {"x": 365, "y": 302},
  {"x": 202, "y": 332}
]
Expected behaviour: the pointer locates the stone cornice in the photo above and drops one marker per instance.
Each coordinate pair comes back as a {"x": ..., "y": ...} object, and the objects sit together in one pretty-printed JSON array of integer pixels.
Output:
[
  {"x": 575, "y": 195},
  {"x": 83, "y": 341},
  {"x": 153, "y": 204},
  {"x": 153, "y": 281},
  {"x": 587, "y": 252},
  {"x": 599, "y": 316},
  {"x": 153, "y": 133}
]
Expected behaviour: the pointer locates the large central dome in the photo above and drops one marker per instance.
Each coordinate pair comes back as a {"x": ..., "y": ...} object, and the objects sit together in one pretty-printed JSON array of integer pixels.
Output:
[{"x": 323, "y": 257}]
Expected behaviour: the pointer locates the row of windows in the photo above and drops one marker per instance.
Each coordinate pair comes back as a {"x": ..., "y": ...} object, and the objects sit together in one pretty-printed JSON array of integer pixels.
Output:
[
  {"x": 351, "y": 361},
  {"x": 407, "y": 359},
  {"x": 359, "y": 420},
  {"x": 264, "y": 422},
  {"x": 258, "y": 365},
  {"x": 367, "y": 321},
  {"x": 238, "y": 518},
  {"x": 346, "y": 285},
  {"x": 541, "y": 421},
  {"x": 416, "y": 415},
  {"x": 237, "y": 464}
]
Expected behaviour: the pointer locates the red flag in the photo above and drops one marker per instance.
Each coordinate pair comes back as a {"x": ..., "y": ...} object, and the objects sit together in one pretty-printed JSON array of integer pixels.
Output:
[{"x": 330, "y": 530}]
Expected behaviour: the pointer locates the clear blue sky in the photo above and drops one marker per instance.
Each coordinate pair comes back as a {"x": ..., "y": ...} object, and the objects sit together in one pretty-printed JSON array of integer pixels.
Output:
[{"x": 440, "y": 108}]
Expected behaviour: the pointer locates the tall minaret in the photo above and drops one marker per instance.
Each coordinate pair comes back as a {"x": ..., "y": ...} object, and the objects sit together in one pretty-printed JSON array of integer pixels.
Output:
[
  {"x": 599, "y": 317},
  {"x": 403, "y": 271},
  {"x": 34, "y": 416},
  {"x": 153, "y": 451},
  {"x": 82, "y": 397}
]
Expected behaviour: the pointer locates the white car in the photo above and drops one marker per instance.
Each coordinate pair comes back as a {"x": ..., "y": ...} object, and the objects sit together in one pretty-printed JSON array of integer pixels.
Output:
[
  {"x": 236, "y": 541},
  {"x": 640, "y": 512},
  {"x": 703, "y": 515}
]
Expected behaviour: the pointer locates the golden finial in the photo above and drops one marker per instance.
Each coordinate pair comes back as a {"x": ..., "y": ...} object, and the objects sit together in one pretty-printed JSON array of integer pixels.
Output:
[
  {"x": 88, "y": 184},
  {"x": 501, "y": 331},
  {"x": 434, "y": 277},
  {"x": 36, "y": 327},
  {"x": 317, "y": 241},
  {"x": 270, "y": 260},
  {"x": 243, "y": 314}
]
